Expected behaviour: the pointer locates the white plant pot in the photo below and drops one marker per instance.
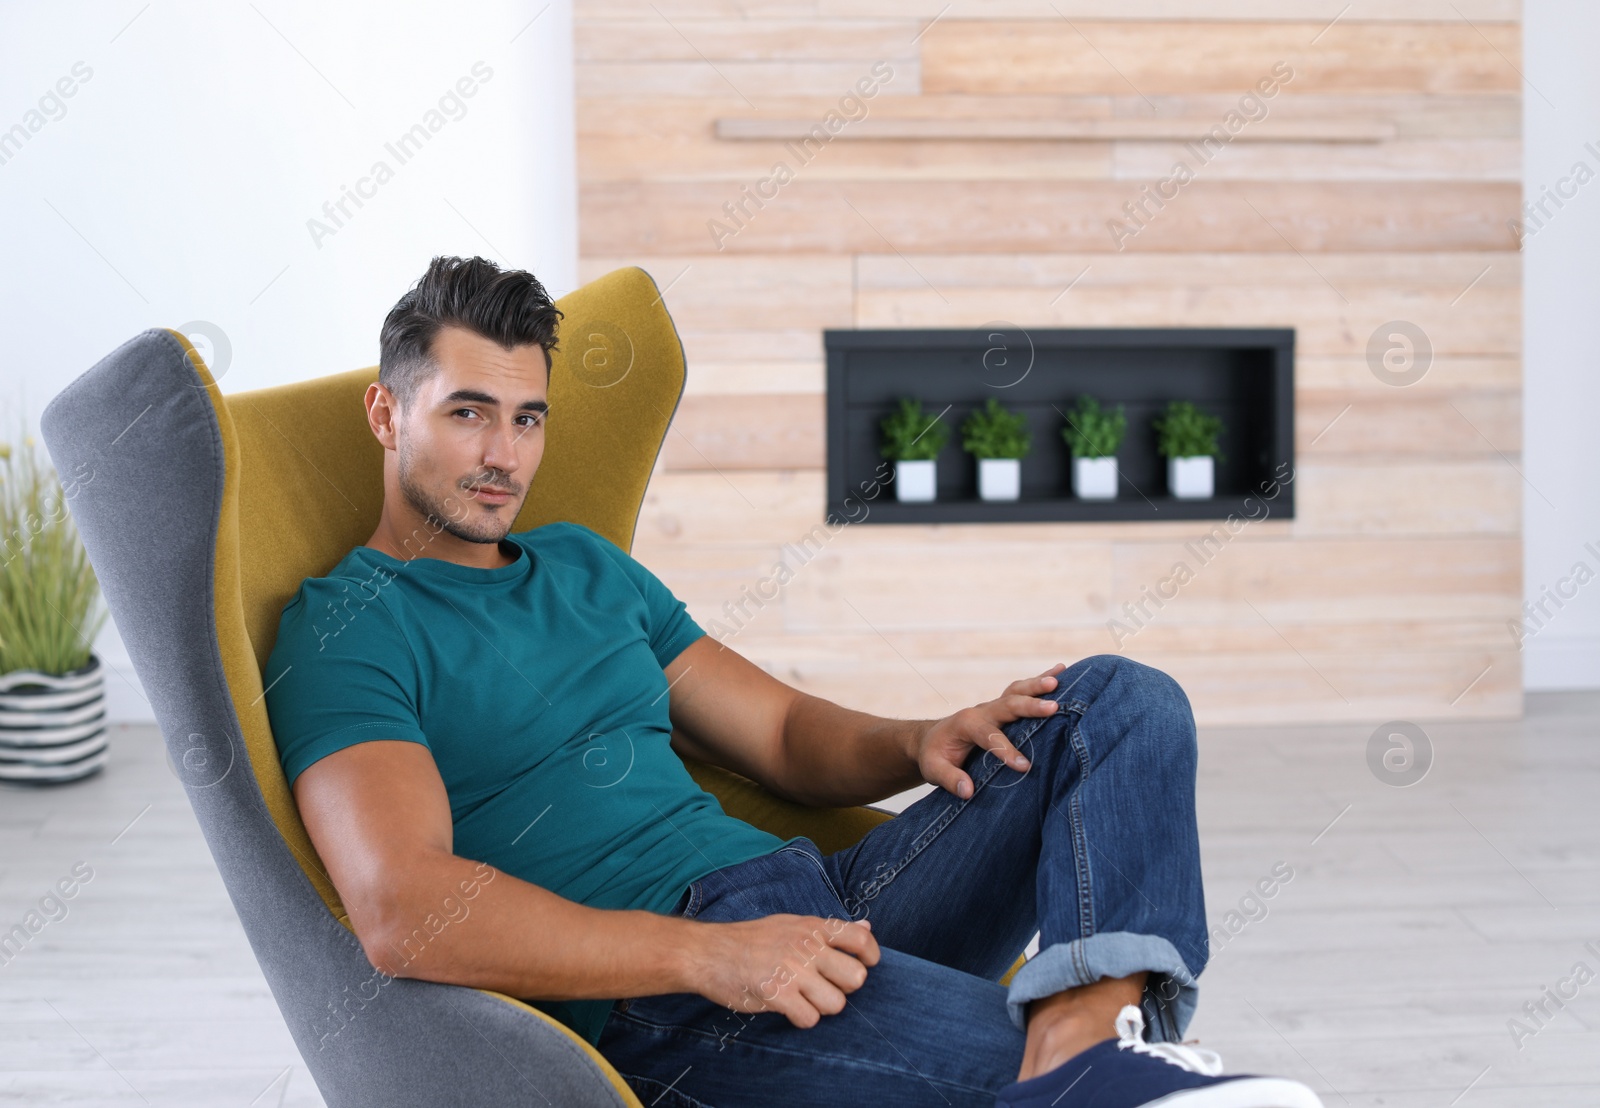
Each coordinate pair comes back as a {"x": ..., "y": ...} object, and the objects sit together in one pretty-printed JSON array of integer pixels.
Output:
[
  {"x": 1191, "y": 478},
  {"x": 1094, "y": 478},
  {"x": 999, "y": 478},
  {"x": 915, "y": 481},
  {"x": 52, "y": 728}
]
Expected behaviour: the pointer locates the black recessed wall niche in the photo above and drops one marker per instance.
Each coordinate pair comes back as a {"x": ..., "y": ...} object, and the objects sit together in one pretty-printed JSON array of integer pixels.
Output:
[{"x": 1246, "y": 376}]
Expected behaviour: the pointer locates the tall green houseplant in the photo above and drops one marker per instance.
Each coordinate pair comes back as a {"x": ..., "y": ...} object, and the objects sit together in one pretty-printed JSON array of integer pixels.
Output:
[{"x": 48, "y": 589}]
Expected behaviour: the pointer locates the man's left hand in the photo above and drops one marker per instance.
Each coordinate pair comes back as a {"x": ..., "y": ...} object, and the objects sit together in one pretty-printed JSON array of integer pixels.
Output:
[{"x": 943, "y": 747}]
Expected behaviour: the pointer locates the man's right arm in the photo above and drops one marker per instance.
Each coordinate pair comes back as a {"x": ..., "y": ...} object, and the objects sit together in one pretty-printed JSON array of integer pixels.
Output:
[{"x": 379, "y": 816}]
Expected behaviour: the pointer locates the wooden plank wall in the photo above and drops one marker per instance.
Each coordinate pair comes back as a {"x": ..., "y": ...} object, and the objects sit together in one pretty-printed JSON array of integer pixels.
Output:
[{"x": 1389, "y": 596}]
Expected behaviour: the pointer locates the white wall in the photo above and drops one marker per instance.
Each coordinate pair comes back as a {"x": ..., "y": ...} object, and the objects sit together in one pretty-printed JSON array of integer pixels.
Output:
[
  {"x": 177, "y": 182},
  {"x": 1561, "y": 328}
]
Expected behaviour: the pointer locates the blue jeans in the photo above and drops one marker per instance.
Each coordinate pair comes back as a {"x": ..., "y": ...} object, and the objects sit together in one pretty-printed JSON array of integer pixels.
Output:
[{"x": 1094, "y": 846}]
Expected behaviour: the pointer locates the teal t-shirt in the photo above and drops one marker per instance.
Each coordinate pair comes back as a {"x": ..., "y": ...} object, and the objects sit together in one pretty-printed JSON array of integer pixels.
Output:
[{"x": 538, "y": 687}]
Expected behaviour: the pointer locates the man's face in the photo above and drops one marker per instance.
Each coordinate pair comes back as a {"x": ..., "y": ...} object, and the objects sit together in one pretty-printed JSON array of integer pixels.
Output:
[{"x": 470, "y": 442}]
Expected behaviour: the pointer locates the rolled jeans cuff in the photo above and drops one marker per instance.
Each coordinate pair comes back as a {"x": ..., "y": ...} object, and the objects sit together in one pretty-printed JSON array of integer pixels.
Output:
[{"x": 1170, "y": 992}]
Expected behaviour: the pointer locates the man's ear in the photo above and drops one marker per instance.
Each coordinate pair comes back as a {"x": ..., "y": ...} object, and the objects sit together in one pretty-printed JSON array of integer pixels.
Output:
[{"x": 383, "y": 412}]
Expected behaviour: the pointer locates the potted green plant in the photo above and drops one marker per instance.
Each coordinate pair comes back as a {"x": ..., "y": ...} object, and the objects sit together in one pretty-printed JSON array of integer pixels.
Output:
[
  {"x": 52, "y": 686},
  {"x": 1187, "y": 438},
  {"x": 999, "y": 439},
  {"x": 1094, "y": 435},
  {"x": 912, "y": 440}
]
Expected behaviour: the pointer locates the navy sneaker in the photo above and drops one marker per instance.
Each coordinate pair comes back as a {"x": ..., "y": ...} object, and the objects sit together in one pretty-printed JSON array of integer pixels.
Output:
[{"x": 1128, "y": 1072}]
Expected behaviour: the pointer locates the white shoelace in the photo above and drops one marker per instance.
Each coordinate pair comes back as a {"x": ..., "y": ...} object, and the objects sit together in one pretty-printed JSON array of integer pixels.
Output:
[{"x": 1130, "y": 1029}]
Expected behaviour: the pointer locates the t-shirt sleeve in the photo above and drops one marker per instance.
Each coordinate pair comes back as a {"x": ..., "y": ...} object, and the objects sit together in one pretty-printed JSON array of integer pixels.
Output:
[
  {"x": 339, "y": 674},
  {"x": 671, "y": 628}
]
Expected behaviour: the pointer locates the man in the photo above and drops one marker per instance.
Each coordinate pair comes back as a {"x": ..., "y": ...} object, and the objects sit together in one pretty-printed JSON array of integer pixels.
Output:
[{"x": 462, "y": 708}]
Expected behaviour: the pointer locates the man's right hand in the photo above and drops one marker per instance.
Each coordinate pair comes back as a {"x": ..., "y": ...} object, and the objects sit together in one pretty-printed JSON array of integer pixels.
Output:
[{"x": 801, "y": 966}]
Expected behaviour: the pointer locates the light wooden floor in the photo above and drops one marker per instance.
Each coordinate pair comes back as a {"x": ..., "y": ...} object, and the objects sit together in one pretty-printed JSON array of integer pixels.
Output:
[{"x": 1418, "y": 921}]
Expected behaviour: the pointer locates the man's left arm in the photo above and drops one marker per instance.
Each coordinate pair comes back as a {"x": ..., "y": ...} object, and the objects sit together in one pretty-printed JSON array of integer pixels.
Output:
[{"x": 729, "y": 712}]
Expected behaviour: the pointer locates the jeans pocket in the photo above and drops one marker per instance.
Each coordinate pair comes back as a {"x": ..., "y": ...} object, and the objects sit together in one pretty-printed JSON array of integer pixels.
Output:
[
  {"x": 822, "y": 873},
  {"x": 658, "y": 1094},
  {"x": 693, "y": 897}
]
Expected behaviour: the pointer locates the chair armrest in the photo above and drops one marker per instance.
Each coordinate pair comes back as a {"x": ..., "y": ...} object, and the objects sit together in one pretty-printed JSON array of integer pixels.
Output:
[{"x": 832, "y": 829}]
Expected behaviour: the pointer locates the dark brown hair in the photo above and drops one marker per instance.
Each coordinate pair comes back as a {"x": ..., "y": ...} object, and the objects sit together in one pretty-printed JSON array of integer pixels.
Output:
[{"x": 507, "y": 306}]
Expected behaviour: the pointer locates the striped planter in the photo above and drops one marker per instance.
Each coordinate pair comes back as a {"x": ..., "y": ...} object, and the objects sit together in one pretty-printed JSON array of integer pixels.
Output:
[{"x": 52, "y": 728}]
